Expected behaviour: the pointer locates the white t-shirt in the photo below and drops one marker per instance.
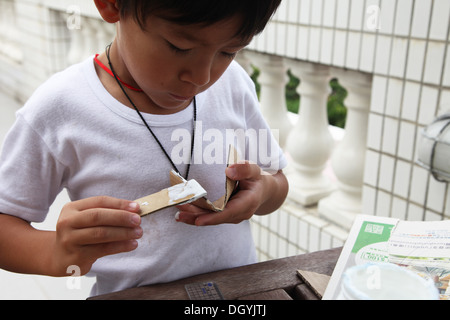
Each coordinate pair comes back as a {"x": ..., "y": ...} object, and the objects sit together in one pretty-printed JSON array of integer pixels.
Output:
[{"x": 73, "y": 134}]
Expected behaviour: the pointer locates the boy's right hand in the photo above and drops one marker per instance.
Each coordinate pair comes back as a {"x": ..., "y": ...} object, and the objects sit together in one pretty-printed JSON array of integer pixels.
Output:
[{"x": 91, "y": 228}]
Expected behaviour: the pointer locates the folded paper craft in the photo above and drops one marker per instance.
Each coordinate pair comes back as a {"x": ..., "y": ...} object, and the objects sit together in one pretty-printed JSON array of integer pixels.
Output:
[{"x": 182, "y": 192}]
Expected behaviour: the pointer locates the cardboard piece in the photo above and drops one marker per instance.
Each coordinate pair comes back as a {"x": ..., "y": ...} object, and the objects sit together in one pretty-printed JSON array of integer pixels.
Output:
[
  {"x": 316, "y": 281},
  {"x": 182, "y": 192}
]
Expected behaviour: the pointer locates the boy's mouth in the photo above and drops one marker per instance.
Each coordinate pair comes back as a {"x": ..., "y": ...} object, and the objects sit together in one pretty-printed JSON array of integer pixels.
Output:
[{"x": 181, "y": 98}]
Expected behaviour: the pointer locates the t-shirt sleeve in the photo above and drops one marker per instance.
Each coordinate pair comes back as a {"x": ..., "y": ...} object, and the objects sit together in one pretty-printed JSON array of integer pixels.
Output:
[
  {"x": 262, "y": 141},
  {"x": 31, "y": 177},
  {"x": 263, "y": 145}
]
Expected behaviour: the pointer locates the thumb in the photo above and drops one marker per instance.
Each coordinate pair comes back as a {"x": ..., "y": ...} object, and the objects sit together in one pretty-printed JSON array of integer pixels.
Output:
[{"x": 242, "y": 171}]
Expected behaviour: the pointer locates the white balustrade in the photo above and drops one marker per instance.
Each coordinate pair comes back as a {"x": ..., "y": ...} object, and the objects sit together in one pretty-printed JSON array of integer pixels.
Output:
[
  {"x": 349, "y": 156},
  {"x": 273, "y": 80},
  {"x": 310, "y": 143},
  {"x": 245, "y": 62}
]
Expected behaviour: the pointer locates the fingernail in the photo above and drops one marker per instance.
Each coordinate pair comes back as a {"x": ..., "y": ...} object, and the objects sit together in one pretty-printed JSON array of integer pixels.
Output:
[
  {"x": 133, "y": 206},
  {"x": 138, "y": 232},
  {"x": 135, "y": 219},
  {"x": 133, "y": 244},
  {"x": 231, "y": 172},
  {"x": 177, "y": 216}
]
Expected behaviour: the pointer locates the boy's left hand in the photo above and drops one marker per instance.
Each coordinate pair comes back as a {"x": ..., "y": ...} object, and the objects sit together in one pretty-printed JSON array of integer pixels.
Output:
[{"x": 258, "y": 193}]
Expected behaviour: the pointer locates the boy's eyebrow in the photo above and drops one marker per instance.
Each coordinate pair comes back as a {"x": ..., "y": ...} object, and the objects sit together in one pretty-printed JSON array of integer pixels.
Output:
[
  {"x": 243, "y": 43},
  {"x": 192, "y": 38}
]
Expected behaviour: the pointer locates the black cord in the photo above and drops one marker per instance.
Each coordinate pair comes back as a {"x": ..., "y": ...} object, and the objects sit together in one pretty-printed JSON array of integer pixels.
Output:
[{"x": 108, "y": 48}]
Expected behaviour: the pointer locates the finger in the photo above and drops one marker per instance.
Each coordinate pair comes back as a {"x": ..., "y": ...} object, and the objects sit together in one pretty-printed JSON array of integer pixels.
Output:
[
  {"x": 99, "y": 235},
  {"x": 185, "y": 217},
  {"x": 188, "y": 213},
  {"x": 105, "y": 202},
  {"x": 211, "y": 219},
  {"x": 243, "y": 171},
  {"x": 106, "y": 217},
  {"x": 238, "y": 209},
  {"x": 217, "y": 218},
  {"x": 191, "y": 208}
]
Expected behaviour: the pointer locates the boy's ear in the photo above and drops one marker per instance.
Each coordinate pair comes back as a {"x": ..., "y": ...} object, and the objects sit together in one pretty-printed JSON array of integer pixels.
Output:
[{"x": 108, "y": 10}]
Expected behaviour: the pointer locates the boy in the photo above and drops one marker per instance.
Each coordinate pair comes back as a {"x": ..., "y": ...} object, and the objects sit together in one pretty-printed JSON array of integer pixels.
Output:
[{"x": 105, "y": 130}]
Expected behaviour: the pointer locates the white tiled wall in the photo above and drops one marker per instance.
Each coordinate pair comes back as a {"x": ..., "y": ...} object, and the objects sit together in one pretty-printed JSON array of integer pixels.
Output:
[
  {"x": 37, "y": 30},
  {"x": 409, "y": 57},
  {"x": 294, "y": 230}
]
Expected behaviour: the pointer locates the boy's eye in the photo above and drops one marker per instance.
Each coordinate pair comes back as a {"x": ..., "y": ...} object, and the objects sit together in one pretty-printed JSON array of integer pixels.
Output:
[
  {"x": 176, "y": 49},
  {"x": 230, "y": 55}
]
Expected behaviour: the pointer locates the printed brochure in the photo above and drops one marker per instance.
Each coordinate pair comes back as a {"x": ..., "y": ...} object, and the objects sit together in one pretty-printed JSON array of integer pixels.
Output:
[{"x": 420, "y": 246}]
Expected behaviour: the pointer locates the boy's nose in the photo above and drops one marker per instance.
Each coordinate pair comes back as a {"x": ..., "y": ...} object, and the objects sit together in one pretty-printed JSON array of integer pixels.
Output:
[{"x": 199, "y": 74}]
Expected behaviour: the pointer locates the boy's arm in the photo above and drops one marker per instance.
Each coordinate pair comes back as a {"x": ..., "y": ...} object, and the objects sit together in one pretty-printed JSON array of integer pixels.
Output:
[
  {"x": 259, "y": 193},
  {"x": 86, "y": 230},
  {"x": 23, "y": 249}
]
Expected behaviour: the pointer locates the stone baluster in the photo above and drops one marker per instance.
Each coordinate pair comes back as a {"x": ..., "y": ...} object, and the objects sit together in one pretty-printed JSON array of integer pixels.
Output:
[
  {"x": 349, "y": 156},
  {"x": 243, "y": 59},
  {"x": 273, "y": 79},
  {"x": 310, "y": 143}
]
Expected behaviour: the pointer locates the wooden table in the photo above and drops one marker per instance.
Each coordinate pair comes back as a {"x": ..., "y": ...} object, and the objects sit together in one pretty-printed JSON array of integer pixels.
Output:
[{"x": 269, "y": 280}]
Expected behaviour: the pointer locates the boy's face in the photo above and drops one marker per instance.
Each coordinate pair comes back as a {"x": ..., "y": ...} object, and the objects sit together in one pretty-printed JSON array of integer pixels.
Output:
[{"x": 173, "y": 63}]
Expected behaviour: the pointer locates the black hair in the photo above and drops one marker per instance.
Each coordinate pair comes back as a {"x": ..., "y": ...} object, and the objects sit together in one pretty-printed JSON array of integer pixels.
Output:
[{"x": 254, "y": 13}]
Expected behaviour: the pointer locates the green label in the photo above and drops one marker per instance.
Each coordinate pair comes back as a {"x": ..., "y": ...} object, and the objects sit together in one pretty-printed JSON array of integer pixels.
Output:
[{"x": 372, "y": 232}]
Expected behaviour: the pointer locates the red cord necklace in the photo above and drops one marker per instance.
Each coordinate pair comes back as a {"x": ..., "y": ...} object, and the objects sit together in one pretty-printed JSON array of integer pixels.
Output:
[{"x": 101, "y": 65}]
